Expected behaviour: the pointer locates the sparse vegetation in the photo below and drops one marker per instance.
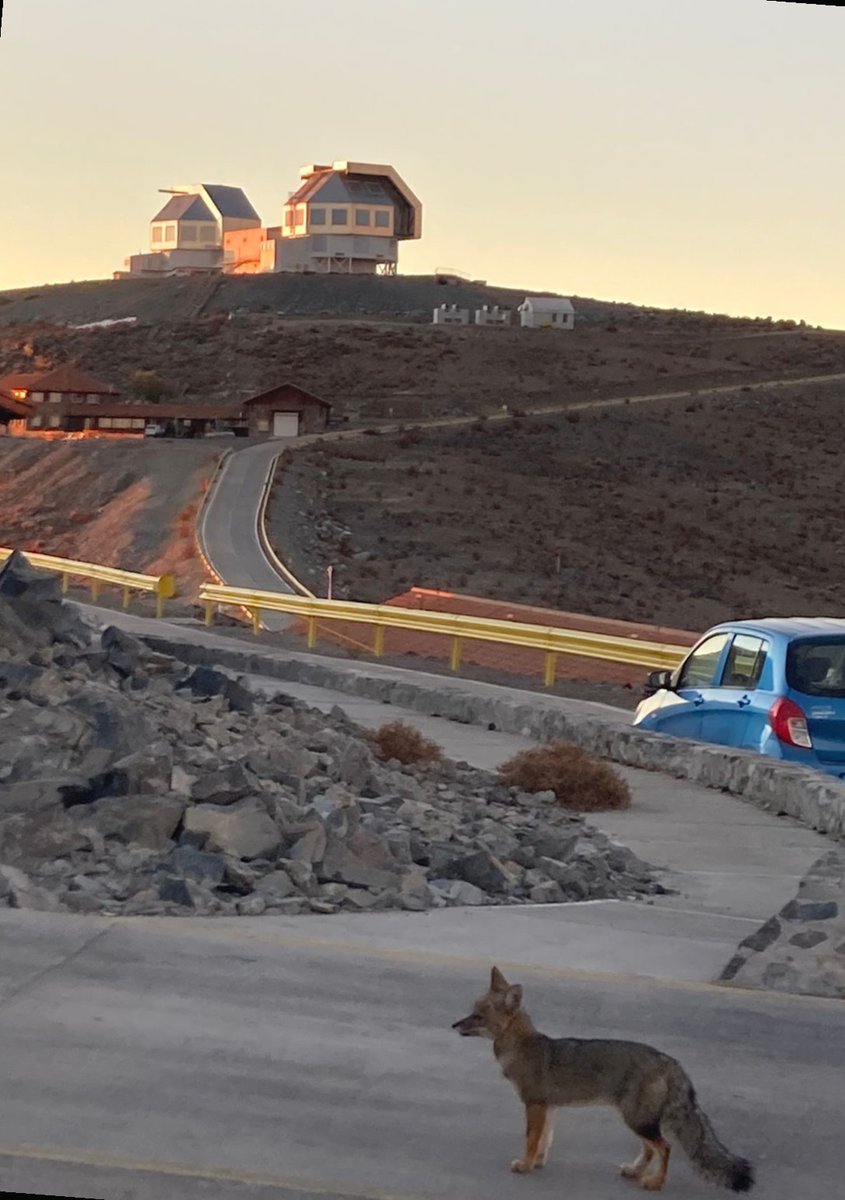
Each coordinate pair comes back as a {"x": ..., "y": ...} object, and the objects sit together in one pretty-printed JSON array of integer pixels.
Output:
[
  {"x": 656, "y": 515},
  {"x": 147, "y": 385},
  {"x": 402, "y": 742},
  {"x": 578, "y": 780}
]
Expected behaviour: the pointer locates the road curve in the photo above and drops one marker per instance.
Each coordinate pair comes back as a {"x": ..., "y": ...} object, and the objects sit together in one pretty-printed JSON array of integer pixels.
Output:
[
  {"x": 228, "y": 525},
  {"x": 227, "y": 528}
]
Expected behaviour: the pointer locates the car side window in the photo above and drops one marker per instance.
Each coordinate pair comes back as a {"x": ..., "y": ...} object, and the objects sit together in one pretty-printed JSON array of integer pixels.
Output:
[
  {"x": 744, "y": 664},
  {"x": 699, "y": 670}
]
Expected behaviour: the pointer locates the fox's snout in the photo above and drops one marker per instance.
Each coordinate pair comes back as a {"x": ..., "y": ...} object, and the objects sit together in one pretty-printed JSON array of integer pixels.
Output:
[{"x": 468, "y": 1026}]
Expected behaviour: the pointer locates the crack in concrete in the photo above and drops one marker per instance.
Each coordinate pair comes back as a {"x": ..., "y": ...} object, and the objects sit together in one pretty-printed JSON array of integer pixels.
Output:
[{"x": 36, "y": 977}]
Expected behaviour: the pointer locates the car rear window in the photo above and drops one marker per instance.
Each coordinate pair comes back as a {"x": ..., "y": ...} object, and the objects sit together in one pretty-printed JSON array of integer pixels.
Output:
[{"x": 817, "y": 668}]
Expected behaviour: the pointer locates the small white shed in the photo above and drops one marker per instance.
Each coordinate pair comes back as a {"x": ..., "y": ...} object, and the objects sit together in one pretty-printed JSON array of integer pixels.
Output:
[
  {"x": 451, "y": 314},
  {"x": 546, "y": 312},
  {"x": 492, "y": 316}
]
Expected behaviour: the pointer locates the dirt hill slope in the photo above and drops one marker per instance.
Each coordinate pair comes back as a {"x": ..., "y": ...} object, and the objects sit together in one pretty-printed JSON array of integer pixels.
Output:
[
  {"x": 382, "y": 369},
  {"x": 677, "y": 513},
  {"x": 405, "y": 296},
  {"x": 128, "y": 504},
  {"x": 367, "y": 345}
]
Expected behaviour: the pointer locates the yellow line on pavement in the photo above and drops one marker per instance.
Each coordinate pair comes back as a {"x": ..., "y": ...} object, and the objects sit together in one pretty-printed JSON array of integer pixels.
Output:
[
  {"x": 168, "y": 925},
  {"x": 93, "y": 1158}
]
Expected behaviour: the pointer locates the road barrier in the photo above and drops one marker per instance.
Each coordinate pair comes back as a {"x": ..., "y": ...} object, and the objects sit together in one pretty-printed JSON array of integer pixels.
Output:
[
  {"x": 551, "y": 640},
  {"x": 163, "y": 587}
]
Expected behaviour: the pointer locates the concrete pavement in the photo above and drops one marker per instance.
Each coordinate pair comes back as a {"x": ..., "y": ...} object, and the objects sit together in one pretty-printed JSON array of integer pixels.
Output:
[{"x": 154, "y": 1058}]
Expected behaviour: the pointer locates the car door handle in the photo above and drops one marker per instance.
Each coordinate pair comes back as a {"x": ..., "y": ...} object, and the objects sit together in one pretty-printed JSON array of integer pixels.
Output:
[
  {"x": 744, "y": 701},
  {"x": 698, "y": 699}
]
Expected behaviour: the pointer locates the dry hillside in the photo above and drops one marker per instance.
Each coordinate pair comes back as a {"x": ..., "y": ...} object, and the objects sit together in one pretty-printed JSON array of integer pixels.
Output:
[
  {"x": 368, "y": 345},
  {"x": 671, "y": 512},
  {"x": 678, "y": 513},
  {"x": 126, "y": 504}
]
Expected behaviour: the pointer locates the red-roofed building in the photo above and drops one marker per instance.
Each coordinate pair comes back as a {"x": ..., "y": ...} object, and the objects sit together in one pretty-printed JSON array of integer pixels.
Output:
[
  {"x": 48, "y": 394},
  {"x": 12, "y": 409},
  {"x": 67, "y": 383},
  {"x": 69, "y": 400},
  {"x": 286, "y": 411},
  {"x": 18, "y": 383}
]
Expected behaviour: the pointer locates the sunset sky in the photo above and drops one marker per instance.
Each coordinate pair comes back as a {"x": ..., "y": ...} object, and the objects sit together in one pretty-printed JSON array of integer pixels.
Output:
[{"x": 666, "y": 152}]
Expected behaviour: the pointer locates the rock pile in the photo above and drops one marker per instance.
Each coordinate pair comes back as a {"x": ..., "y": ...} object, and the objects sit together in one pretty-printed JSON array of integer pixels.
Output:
[{"x": 131, "y": 783}]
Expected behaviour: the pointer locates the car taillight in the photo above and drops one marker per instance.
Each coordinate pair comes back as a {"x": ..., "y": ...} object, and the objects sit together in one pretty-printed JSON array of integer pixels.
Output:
[{"x": 789, "y": 724}]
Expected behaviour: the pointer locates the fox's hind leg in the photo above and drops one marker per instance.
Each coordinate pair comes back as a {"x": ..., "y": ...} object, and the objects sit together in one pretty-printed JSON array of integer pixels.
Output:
[
  {"x": 637, "y": 1169},
  {"x": 535, "y": 1124},
  {"x": 546, "y": 1139},
  {"x": 654, "y": 1146},
  {"x": 655, "y": 1181}
]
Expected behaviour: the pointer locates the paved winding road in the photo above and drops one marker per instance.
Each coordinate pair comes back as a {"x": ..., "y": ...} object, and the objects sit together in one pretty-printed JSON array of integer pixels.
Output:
[{"x": 228, "y": 525}]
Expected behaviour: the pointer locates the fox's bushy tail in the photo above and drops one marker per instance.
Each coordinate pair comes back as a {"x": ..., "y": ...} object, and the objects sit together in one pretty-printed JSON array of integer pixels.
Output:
[{"x": 693, "y": 1130}]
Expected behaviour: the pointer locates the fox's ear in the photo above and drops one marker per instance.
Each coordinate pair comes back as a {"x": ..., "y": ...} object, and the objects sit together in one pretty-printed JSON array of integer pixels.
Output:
[
  {"x": 498, "y": 983},
  {"x": 513, "y": 997}
]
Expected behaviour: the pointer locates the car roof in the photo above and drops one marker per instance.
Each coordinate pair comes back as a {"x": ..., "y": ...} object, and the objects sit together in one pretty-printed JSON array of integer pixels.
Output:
[{"x": 789, "y": 627}]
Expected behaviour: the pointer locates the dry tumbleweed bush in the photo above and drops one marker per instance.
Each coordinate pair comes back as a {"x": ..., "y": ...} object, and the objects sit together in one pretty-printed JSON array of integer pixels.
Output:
[{"x": 578, "y": 780}]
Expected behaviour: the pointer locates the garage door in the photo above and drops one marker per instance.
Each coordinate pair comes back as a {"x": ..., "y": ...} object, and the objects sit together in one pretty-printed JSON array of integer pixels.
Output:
[{"x": 285, "y": 424}]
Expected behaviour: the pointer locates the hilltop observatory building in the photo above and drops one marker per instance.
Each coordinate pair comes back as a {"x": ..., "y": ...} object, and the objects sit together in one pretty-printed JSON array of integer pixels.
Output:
[{"x": 346, "y": 218}]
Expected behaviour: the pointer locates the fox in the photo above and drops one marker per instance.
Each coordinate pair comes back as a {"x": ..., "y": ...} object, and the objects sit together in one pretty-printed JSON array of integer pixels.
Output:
[{"x": 650, "y": 1090}]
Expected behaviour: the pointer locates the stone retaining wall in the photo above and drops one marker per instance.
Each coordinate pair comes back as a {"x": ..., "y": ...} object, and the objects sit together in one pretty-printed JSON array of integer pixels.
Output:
[
  {"x": 802, "y": 949},
  {"x": 816, "y": 800}
]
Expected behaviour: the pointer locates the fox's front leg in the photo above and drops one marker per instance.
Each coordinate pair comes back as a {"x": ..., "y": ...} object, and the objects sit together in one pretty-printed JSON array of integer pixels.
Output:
[
  {"x": 536, "y": 1116},
  {"x": 547, "y": 1138}
]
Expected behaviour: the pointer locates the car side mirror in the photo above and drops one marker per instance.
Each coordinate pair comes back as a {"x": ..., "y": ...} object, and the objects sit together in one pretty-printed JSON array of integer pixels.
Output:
[{"x": 656, "y": 681}]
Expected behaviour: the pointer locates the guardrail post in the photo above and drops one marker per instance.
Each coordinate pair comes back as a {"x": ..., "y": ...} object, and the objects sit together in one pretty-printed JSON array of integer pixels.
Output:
[
  {"x": 378, "y": 643},
  {"x": 312, "y": 632},
  {"x": 65, "y": 583},
  {"x": 95, "y": 588},
  {"x": 209, "y": 611},
  {"x": 165, "y": 590},
  {"x": 549, "y": 673},
  {"x": 256, "y": 621},
  {"x": 455, "y": 661},
  {"x": 127, "y": 595}
]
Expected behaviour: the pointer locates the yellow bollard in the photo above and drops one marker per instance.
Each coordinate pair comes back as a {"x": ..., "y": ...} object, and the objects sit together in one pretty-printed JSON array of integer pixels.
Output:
[
  {"x": 549, "y": 674},
  {"x": 378, "y": 643},
  {"x": 165, "y": 590},
  {"x": 455, "y": 662},
  {"x": 312, "y": 632}
]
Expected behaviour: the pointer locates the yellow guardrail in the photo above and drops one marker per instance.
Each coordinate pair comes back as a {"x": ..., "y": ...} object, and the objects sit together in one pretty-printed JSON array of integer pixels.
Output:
[
  {"x": 549, "y": 639},
  {"x": 163, "y": 587}
]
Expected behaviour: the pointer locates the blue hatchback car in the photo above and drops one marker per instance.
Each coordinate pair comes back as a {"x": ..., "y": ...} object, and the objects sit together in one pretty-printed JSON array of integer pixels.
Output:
[{"x": 776, "y": 686}]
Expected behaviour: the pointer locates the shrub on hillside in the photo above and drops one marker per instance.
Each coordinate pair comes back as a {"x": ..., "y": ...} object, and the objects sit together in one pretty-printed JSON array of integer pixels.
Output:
[
  {"x": 578, "y": 780},
  {"x": 404, "y": 743},
  {"x": 148, "y": 386}
]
